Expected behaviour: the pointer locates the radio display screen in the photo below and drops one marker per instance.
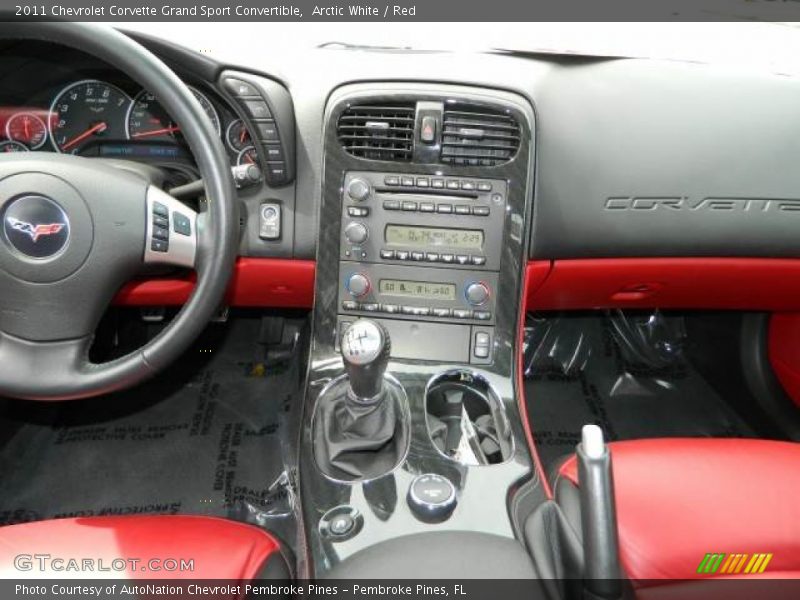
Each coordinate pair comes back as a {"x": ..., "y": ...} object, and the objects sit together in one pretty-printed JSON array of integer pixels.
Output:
[
  {"x": 417, "y": 289},
  {"x": 426, "y": 237}
]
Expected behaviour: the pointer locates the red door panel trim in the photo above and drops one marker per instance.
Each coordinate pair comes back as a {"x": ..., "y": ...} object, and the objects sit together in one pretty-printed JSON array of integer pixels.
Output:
[
  {"x": 256, "y": 282},
  {"x": 771, "y": 284}
]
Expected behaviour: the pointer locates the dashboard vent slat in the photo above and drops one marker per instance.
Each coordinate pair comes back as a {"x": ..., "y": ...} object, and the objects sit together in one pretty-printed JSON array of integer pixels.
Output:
[
  {"x": 378, "y": 131},
  {"x": 478, "y": 135}
]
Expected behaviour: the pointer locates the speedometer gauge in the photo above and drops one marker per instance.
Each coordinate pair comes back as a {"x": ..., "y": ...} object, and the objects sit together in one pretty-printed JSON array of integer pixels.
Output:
[
  {"x": 86, "y": 111},
  {"x": 147, "y": 119}
]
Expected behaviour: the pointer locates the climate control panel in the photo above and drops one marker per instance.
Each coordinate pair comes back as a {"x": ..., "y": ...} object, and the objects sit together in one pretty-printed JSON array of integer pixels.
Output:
[{"x": 428, "y": 294}]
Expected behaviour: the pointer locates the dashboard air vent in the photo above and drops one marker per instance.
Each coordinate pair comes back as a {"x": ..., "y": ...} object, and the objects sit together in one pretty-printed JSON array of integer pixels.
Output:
[
  {"x": 478, "y": 136},
  {"x": 382, "y": 131}
]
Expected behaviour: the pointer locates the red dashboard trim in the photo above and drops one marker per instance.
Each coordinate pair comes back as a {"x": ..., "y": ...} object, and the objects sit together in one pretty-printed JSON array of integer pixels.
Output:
[
  {"x": 771, "y": 284},
  {"x": 256, "y": 282}
]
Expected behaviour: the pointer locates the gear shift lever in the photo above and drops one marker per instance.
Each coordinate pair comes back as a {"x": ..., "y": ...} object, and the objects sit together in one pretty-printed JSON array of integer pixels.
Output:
[
  {"x": 365, "y": 349},
  {"x": 361, "y": 427}
]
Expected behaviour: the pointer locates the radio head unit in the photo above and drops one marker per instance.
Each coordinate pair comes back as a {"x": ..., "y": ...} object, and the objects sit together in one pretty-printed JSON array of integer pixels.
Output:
[{"x": 442, "y": 221}]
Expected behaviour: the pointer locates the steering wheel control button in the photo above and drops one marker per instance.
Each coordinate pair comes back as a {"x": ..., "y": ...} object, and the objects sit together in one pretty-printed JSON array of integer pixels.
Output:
[
  {"x": 181, "y": 224},
  {"x": 160, "y": 234},
  {"x": 340, "y": 523},
  {"x": 160, "y": 210},
  {"x": 267, "y": 132},
  {"x": 432, "y": 497},
  {"x": 358, "y": 285},
  {"x": 159, "y": 246},
  {"x": 36, "y": 226}
]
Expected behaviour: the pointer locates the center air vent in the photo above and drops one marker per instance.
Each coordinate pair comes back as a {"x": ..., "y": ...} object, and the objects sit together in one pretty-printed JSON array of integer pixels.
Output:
[
  {"x": 382, "y": 131},
  {"x": 478, "y": 136}
]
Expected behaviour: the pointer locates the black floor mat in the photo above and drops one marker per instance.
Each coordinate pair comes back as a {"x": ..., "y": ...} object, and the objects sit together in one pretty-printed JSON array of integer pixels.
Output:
[
  {"x": 204, "y": 437},
  {"x": 580, "y": 370}
]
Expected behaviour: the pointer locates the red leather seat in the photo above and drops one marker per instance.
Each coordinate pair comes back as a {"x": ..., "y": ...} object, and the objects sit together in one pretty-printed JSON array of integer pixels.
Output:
[
  {"x": 679, "y": 499},
  {"x": 144, "y": 548}
]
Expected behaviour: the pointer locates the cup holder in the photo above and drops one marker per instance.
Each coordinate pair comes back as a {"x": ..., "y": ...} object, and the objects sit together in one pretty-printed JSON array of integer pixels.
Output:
[{"x": 466, "y": 420}]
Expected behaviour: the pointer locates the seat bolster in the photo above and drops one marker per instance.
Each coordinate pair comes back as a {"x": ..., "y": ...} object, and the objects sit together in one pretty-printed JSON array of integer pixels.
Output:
[
  {"x": 681, "y": 498},
  {"x": 202, "y": 548}
]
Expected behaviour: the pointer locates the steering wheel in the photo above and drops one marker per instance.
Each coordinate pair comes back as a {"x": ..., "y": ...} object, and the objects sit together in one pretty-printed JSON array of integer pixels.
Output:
[{"x": 75, "y": 229}]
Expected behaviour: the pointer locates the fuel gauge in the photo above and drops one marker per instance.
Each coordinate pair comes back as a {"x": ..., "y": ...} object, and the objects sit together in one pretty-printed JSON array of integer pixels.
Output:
[
  {"x": 28, "y": 129},
  {"x": 237, "y": 136},
  {"x": 248, "y": 156}
]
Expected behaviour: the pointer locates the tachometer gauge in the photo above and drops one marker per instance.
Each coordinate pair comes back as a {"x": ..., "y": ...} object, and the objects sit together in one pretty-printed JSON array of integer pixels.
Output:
[
  {"x": 237, "y": 136},
  {"x": 247, "y": 156},
  {"x": 147, "y": 119},
  {"x": 86, "y": 111},
  {"x": 12, "y": 146},
  {"x": 28, "y": 129}
]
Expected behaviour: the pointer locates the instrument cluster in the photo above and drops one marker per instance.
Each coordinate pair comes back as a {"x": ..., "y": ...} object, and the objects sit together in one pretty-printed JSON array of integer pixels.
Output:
[{"x": 93, "y": 117}]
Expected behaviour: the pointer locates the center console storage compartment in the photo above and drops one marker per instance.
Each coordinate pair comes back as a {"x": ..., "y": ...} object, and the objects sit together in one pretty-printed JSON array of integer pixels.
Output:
[{"x": 441, "y": 555}]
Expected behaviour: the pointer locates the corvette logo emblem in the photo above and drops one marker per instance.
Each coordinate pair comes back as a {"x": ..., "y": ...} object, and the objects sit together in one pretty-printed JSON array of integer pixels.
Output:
[{"x": 35, "y": 231}]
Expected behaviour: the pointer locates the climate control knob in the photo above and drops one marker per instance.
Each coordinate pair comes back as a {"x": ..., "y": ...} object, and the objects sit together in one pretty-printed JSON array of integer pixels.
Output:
[
  {"x": 358, "y": 285},
  {"x": 356, "y": 233},
  {"x": 477, "y": 293},
  {"x": 358, "y": 190}
]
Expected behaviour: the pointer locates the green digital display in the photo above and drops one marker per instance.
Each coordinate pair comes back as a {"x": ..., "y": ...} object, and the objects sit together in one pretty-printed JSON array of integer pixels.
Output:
[
  {"x": 417, "y": 289},
  {"x": 427, "y": 237}
]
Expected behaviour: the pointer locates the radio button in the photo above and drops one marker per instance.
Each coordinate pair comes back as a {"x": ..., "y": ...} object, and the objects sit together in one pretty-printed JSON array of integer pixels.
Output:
[
  {"x": 370, "y": 307},
  {"x": 358, "y": 190},
  {"x": 479, "y": 260},
  {"x": 468, "y": 185},
  {"x": 448, "y": 258},
  {"x": 480, "y": 211},
  {"x": 390, "y": 308},
  {"x": 417, "y": 256},
  {"x": 350, "y": 305},
  {"x": 409, "y": 206},
  {"x": 391, "y": 180},
  {"x": 484, "y": 186},
  {"x": 427, "y": 207},
  {"x": 477, "y": 293},
  {"x": 482, "y": 315},
  {"x": 462, "y": 259},
  {"x": 358, "y": 285},
  {"x": 432, "y": 257},
  {"x": 387, "y": 254},
  {"x": 391, "y": 204},
  {"x": 356, "y": 233},
  {"x": 441, "y": 312},
  {"x": 401, "y": 255},
  {"x": 444, "y": 208},
  {"x": 407, "y": 181},
  {"x": 437, "y": 184},
  {"x": 453, "y": 184},
  {"x": 462, "y": 313},
  {"x": 423, "y": 182},
  {"x": 417, "y": 311},
  {"x": 462, "y": 209},
  {"x": 357, "y": 211}
]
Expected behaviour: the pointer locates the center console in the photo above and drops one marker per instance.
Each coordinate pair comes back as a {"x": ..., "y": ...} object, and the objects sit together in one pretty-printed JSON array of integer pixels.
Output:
[{"x": 411, "y": 423}]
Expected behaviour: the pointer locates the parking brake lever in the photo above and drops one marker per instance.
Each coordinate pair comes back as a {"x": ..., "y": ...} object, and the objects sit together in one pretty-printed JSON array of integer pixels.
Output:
[{"x": 602, "y": 573}]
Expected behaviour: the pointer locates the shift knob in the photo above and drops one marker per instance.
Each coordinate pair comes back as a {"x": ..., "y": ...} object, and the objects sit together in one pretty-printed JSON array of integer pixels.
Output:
[{"x": 365, "y": 348}]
